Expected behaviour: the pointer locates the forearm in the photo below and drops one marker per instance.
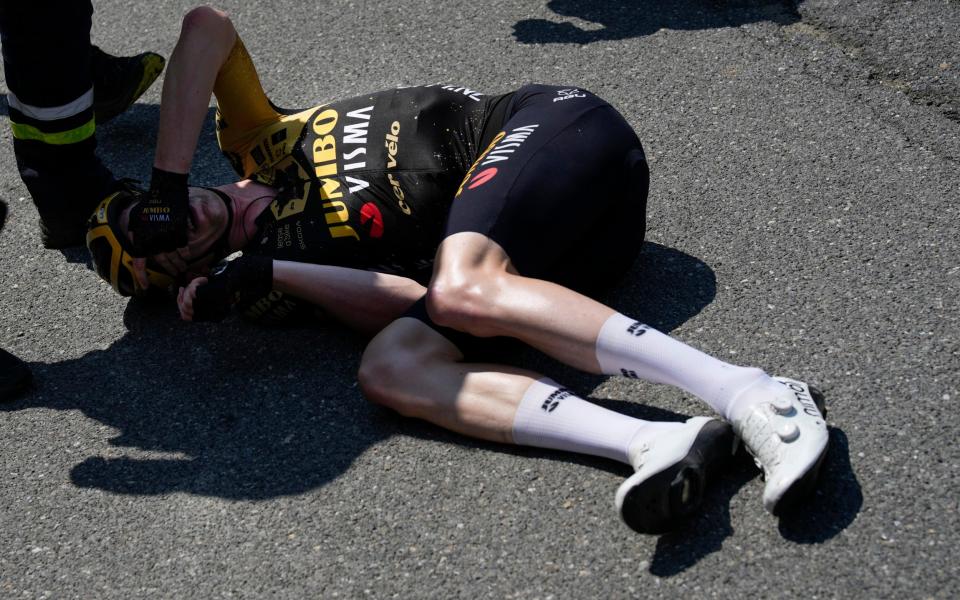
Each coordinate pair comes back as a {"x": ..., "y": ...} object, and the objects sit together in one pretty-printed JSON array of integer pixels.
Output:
[
  {"x": 363, "y": 300},
  {"x": 206, "y": 39}
]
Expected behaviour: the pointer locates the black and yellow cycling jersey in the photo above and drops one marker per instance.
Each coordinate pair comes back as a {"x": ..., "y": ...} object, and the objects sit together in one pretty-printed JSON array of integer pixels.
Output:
[
  {"x": 365, "y": 182},
  {"x": 553, "y": 174}
]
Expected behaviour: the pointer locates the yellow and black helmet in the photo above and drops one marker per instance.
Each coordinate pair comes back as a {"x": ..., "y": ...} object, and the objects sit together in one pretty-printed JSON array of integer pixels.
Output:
[{"x": 113, "y": 252}]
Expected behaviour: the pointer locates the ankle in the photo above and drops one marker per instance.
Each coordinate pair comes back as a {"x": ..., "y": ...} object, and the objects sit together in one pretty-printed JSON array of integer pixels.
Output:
[
  {"x": 749, "y": 390},
  {"x": 646, "y": 436}
]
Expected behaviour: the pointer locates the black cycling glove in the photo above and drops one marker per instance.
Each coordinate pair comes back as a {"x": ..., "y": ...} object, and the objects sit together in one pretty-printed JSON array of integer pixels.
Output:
[
  {"x": 244, "y": 277},
  {"x": 159, "y": 221}
]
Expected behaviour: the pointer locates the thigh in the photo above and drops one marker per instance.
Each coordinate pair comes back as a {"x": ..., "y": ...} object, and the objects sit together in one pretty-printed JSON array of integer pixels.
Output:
[
  {"x": 565, "y": 164},
  {"x": 607, "y": 252}
]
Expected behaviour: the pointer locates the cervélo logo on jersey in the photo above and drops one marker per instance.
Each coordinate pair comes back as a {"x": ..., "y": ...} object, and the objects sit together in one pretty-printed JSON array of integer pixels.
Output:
[{"x": 503, "y": 146}]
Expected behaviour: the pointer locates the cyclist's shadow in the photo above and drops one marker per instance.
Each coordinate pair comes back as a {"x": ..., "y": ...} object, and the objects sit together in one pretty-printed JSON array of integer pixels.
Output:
[
  {"x": 239, "y": 411},
  {"x": 228, "y": 410}
]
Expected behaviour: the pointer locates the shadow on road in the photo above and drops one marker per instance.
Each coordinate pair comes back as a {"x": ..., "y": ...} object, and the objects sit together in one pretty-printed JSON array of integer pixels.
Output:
[
  {"x": 127, "y": 145},
  {"x": 835, "y": 504},
  {"x": 234, "y": 411},
  {"x": 703, "y": 535},
  {"x": 618, "y": 20},
  {"x": 833, "y": 507}
]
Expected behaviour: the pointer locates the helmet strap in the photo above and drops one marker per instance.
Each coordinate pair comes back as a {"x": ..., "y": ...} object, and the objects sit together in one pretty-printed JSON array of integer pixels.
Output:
[{"x": 221, "y": 247}]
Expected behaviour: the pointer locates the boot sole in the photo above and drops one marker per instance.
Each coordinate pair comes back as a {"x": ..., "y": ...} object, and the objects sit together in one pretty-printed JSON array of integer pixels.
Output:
[{"x": 661, "y": 501}]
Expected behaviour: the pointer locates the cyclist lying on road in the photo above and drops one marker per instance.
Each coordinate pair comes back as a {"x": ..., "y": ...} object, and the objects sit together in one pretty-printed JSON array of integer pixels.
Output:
[{"x": 437, "y": 218}]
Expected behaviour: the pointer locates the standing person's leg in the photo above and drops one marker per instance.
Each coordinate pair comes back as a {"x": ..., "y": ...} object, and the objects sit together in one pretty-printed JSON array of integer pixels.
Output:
[
  {"x": 51, "y": 113},
  {"x": 60, "y": 88}
]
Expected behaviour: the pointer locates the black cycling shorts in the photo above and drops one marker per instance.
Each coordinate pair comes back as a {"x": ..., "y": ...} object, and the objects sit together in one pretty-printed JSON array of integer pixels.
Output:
[{"x": 562, "y": 189}]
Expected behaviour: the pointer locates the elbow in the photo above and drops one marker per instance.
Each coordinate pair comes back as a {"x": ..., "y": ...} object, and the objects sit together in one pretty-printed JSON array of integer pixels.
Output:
[{"x": 207, "y": 22}]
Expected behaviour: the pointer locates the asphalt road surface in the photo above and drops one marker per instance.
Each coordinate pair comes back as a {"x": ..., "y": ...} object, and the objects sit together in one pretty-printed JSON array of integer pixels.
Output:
[{"x": 803, "y": 218}]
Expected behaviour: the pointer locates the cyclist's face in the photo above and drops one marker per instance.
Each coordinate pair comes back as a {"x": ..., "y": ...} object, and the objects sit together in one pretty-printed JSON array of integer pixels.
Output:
[{"x": 206, "y": 223}]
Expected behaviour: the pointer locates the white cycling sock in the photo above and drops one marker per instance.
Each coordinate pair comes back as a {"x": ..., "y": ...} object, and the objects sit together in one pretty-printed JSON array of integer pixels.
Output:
[
  {"x": 550, "y": 416},
  {"x": 629, "y": 348}
]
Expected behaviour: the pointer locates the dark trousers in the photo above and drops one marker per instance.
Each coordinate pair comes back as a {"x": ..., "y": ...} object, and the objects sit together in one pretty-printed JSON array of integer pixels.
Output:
[{"x": 46, "y": 61}]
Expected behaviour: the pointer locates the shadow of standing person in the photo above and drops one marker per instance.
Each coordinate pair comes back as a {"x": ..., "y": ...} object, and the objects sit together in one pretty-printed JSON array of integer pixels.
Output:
[{"x": 619, "y": 20}]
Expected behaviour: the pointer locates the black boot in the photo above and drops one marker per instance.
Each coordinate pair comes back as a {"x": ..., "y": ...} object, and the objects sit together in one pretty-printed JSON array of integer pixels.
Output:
[
  {"x": 119, "y": 80},
  {"x": 67, "y": 183}
]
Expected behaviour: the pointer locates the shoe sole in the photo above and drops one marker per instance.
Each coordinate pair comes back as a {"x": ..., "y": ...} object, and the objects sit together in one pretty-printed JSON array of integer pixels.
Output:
[
  {"x": 662, "y": 500},
  {"x": 803, "y": 487}
]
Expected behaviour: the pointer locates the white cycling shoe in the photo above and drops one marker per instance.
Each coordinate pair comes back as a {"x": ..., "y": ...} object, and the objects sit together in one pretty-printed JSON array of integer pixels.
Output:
[
  {"x": 786, "y": 433},
  {"x": 671, "y": 474}
]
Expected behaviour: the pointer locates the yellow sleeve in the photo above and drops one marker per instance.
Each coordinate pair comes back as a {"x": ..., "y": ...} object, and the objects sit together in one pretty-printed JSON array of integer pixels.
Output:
[
  {"x": 254, "y": 136},
  {"x": 241, "y": 101}
]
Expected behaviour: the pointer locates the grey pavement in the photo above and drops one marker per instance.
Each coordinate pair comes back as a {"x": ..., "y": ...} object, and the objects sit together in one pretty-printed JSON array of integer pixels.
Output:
[{"x": 803, "y": 218}]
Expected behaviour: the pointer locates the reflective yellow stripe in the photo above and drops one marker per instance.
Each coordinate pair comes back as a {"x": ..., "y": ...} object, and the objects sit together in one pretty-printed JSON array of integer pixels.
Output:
[{"x": 72, "y": 136}]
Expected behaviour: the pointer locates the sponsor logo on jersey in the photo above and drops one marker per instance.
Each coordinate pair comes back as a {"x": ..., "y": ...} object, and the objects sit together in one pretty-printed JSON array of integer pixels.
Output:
[
  {"x": 554, "y": 399},
  {"x": 500, "y": 149},
  {"x": 300, "y": 240},
  {"x": 327, "y": 171},
  {"x": 271, "y": 148},
  {"x": 355, "y": 134},
  {"x": 482, "y": 177},
  {"x": 283, "y": 237},
  {"x": 336, "y": 214},
  {"x": 509, "y": 144},
  {"x": 473, "y": 167},
  {"x": 637, "y": 329},
  {"x": 370, "y": 213},
  {"x": 391, "y": 142},
  {"x": 398, "y": 192},
  {"x": 568, "y": 94},
  {"x": 472, "y": 94}
]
